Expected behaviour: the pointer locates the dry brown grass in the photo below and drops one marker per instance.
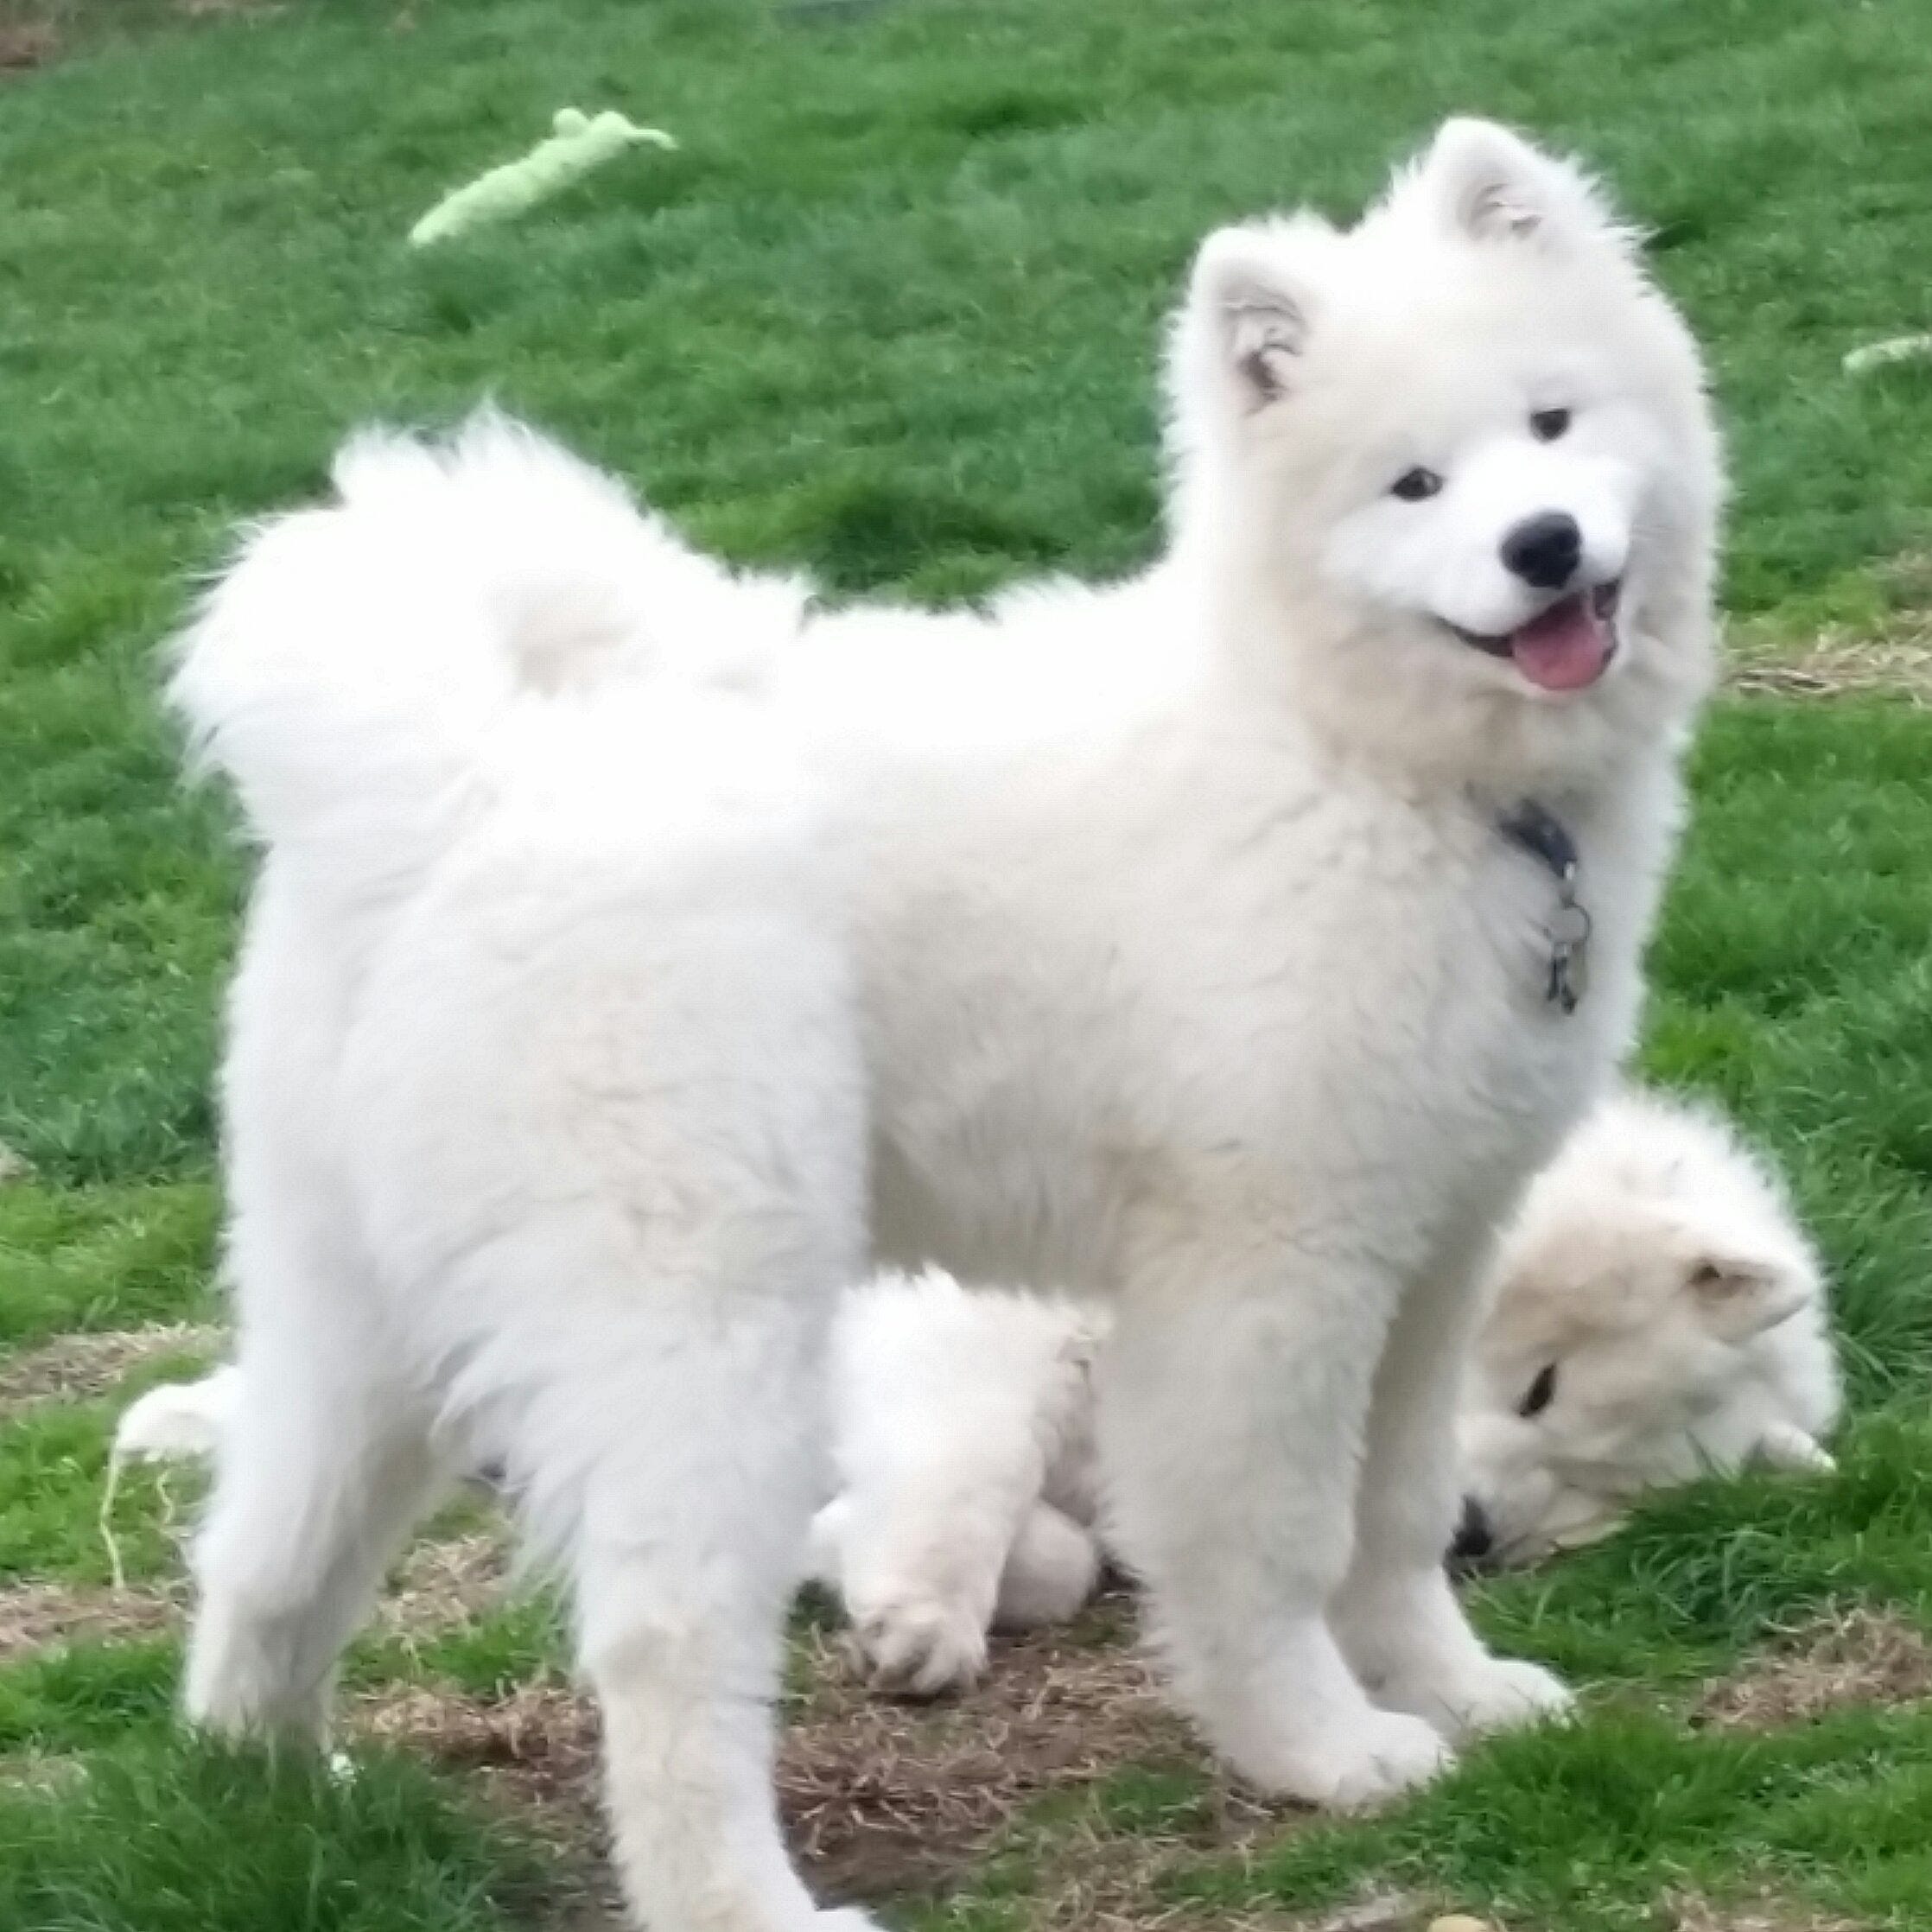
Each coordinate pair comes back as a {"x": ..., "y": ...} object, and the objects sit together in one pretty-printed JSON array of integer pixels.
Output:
[
  {"x": 1690, "y": 1912},
  {"x": 34, "y": 34},
  {"x": 78, "y": 1368},
  {"x": 885, "y": 1796},
  {"x": 1893, "y": 659},
  {"x": 445, "y": 1581},
  {"x": 1832, "y": 666},
  {"x": 441, "y": 1584},
  {"x": 882, "y": 1797},
  {"x": 1856, "y": 1657},
  {"x": 39, "y": 1615}
]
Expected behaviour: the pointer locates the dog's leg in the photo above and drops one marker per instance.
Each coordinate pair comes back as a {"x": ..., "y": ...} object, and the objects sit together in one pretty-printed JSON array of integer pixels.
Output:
[
  {"x": 1232, "y": 1405},
  {"x": 952, "y": 1411},
  {"x": 685, "y": 1451},
  {"x": 924, "y": 1533},
  {"x": 1051, "y": 1573},
  {"x": 324, "y": 1468},
  {"x": 1397, "y": 1615},
  {"x": 918, "y": 1571}
]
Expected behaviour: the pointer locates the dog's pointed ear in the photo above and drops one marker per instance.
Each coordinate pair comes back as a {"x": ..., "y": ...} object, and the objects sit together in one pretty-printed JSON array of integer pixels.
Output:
[
  {"x": 1740, "y": 1294},
  {"x": 1492, "y": 183},
  {"x": 1252, "y": 304}
]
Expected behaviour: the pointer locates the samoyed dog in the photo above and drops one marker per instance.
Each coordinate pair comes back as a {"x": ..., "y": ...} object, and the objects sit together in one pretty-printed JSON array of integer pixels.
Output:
[
  {"x": 639, "y": 955},
  {"x": 1656, "y": 1313},
  {"x": 1660, "y": 1315}
]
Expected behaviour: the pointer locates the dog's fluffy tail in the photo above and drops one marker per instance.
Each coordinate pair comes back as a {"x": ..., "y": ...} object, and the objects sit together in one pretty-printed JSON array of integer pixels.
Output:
[{"x": 357, "y": 667}]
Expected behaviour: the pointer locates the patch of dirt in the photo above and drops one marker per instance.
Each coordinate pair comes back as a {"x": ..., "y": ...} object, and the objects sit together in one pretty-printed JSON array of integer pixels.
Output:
[
  {"x": 440, "y": 1585},
  {"x": 445, "y": 1582},
  {"x": 1688, "y": 1912},
  {"x": 78, "y": 1367},
  {"x": 538, "y": 1745},
  {"x": 1857, "y": 1657},
  {"x": 37, "y": 1616},
  {"x": 880, "y": 1797},
  {"x": 26, "y": 45}
]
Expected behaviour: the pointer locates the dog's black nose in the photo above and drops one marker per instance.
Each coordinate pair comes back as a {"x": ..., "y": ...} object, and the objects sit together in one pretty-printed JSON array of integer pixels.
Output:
[
  {"x": 1474, "y": 1538},
  {"x": 1544, "y": 550}
]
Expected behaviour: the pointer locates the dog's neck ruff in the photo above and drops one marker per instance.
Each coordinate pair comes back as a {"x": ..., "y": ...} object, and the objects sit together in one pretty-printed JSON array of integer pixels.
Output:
[{"x": 1534, "y": 828}]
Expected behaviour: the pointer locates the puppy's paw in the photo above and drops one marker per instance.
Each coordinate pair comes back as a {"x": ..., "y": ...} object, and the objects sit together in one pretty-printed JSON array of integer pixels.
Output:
[
  {"x": 1359, "y": 1764},
  {"x": 844, "y": 1919},
  {"x": 920, "y": 1648},
  {"x": 1486, "y": 1694}
]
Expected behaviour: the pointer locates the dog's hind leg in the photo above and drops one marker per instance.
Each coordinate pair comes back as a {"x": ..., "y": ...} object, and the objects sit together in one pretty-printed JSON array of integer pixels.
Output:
[
  {"x": 324, "y": 1467},
  {"x": 669, "y": 1452},
  {"x": 1396, "y": 1614},
  {"x": 641, "y": 1331},
  {"x": 324, "y": 1464}
]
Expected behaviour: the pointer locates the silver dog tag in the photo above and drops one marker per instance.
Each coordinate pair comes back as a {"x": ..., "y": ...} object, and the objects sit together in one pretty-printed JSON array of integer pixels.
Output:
[{"x": 1569, "y": 954}]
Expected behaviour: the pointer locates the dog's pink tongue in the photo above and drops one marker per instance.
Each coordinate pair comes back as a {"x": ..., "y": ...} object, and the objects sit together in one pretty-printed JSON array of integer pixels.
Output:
[{"x": 1564, "y": 649}]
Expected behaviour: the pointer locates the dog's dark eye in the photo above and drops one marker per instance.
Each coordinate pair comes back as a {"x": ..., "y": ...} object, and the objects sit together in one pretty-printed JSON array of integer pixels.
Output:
[
  {"x": 1542, "y": 1393},
  {"x": 1547, "y": 425},
  {"x": 1413, "y": 486}
]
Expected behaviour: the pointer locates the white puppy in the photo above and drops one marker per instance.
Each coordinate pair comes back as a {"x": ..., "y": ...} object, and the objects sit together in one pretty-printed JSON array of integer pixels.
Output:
[
  {"x": 1657, "y": 1314},
  {"x": 637, "y": 957}
]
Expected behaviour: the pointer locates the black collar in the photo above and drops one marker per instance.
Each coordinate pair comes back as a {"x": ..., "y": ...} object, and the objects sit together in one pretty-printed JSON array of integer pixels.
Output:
[{"x": 1534, "y": 828}]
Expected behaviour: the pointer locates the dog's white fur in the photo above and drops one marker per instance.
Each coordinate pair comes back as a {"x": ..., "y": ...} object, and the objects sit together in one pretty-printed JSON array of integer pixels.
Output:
[
  {"x": 636, "y": 958},
  {"x": 1654, "y": 1266},
  {"x": 1655, "y": 1274}
]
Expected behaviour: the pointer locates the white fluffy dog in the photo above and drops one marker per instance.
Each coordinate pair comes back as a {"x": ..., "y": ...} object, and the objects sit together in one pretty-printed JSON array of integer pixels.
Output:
[
  {"x": 639, "y": 956},
  {"x": 1657, "y": 1314},
  {"x": 1660, "y": 1315}
]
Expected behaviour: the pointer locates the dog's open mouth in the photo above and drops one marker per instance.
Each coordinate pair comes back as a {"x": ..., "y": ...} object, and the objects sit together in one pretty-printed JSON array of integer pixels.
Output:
[{"x": 1564, "y": 647}]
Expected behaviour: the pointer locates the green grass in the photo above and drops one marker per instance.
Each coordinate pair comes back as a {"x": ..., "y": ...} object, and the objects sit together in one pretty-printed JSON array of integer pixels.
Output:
[
  {"x": 164, "y": 1839},
  {"x": 891, "y": 312},
  {"x": 101, "y": 1257}
]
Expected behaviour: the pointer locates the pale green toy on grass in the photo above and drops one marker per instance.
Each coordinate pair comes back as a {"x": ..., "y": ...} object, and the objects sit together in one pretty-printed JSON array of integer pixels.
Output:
[
  {"x": 578, "y": 144},
  {"x": 1882, "y": 355}
]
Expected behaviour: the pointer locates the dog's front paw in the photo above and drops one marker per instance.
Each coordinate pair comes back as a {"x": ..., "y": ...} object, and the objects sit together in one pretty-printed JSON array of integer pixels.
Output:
[
  {"x": 1485, "y": 1695},
  {"x": 1358, "y": 1765},
  {"x": 920, "y": 1648}
]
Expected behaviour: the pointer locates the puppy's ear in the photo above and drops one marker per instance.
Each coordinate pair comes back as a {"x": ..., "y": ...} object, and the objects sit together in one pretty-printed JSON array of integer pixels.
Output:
[
  {"x": 1252, "y": 304},
  {"x": 1493, "y": 184},
  {"x": 1740, "y": 1295}
]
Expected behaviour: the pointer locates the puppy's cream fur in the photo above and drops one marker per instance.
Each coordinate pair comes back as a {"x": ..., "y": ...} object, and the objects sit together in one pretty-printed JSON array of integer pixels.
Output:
[
  {"x": 636, "y": 959},
  {"x": 1658, "y": 1269}
]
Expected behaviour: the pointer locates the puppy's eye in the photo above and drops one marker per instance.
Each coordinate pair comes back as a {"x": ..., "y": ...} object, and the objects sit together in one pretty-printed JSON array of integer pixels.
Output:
[
  {"x": 1542, "y": 1393},
  {"x": 1547, "y": 425},
  {"x": 1413, "y": 486}
]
